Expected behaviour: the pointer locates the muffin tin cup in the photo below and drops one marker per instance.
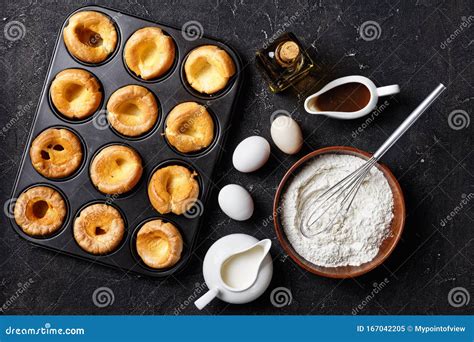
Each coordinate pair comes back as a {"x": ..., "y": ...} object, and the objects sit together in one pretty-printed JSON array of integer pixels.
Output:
[
  {"x": 159, "y": 78},
  {"x": 204, "y": 96},
  {"x": 180, "y": 162},
  {"x": 110, "y": 56},
  {"x": 141, "y": 136},
  {"x": 203, "y": 151},
  {"x": 84, "y": 154},
  {"x": 63, "y": 117},
  {"x": 113, "y": 197},
  {"x": 78, "y": 190},
  {"x": 125, "y": 233},
  {"x": 133, "y": 248},
  {"x": 66, "y": 220}
]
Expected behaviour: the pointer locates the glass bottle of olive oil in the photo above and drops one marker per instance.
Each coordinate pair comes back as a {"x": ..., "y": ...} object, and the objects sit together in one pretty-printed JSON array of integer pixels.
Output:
[{"x": 283, "y": 62}]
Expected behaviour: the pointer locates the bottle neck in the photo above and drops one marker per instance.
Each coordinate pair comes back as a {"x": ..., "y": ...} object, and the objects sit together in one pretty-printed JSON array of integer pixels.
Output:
[{"x": 287, "y": 54}]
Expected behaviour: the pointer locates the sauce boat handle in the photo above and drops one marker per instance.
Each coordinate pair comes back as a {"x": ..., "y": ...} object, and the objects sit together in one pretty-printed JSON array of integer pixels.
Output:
[{"x": 388, "y": 90}]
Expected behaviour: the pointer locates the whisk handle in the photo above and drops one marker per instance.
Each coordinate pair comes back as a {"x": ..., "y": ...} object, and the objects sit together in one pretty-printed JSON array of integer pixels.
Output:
[{"x": 410, "y": 120}]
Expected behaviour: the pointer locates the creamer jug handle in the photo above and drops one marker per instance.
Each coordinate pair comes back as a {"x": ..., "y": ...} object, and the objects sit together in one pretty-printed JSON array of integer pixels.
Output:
[{"x": 206, "y": 298}]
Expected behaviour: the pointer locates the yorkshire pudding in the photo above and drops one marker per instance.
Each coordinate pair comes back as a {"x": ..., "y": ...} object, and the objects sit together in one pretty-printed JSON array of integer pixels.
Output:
[
  {"x": 132, "y": 110},
  {"x": 40, "y": 211},
  {"x": 56, "y": 153},
  {"x": 149, "y": 53},
  {"x": 208, "y": 69},
  {"x": 189, "y": 127},
  {"x": 116, "y": 169},
  {"x": 99, "y": 228},
  {"x": 159, "y": 244},
  {"x": 90, "y": 36},
  {"x": 173, "y": 189},
  {"x": 75, "y": 93}
]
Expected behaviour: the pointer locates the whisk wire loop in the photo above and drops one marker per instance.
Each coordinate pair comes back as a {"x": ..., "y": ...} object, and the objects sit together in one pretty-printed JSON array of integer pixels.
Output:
[{"x": 346, "y": 189}]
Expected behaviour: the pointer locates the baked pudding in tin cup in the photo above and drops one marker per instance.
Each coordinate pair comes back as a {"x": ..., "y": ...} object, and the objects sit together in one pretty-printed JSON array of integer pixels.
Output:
[
  {"x": 90, "y": 36},
  {"x": 159, "y": 244},
  {"x": 75, "y": 93},
  {"x": 149, "y": 53},
  {"x": 189, "y": 127},
  {"x": 132, "y": 110},
  {"x": 40, "y": 211},
  {"x": 173, "y": 189},
  {"x": 116, "y": 169},
  {"x": 99, "y": 228},
  {"x": 208, "y": 69},
  {"x": 56, "y": 153}
]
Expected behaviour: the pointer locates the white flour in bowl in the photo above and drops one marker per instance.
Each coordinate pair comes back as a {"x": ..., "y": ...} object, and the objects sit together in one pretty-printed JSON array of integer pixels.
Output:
[{"x": 351, "y": 240}]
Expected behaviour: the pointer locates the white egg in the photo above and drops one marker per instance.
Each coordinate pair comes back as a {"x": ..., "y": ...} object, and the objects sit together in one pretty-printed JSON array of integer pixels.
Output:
[
  {"x": 236, "y": 202},
  {"x": 286, "y": 134},
  {"x": 251, "y": 154}
]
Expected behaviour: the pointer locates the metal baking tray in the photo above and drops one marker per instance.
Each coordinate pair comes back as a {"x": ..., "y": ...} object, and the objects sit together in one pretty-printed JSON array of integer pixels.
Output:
[{"x": 78, "y": 190}]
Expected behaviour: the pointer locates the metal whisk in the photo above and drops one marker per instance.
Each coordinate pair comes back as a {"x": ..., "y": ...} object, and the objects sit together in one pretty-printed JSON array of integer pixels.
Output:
[{"x": 344, "y": 191}]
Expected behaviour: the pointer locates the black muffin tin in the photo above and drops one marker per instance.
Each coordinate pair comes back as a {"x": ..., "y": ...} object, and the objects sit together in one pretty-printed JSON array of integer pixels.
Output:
[{"x": 78, "y": 190}]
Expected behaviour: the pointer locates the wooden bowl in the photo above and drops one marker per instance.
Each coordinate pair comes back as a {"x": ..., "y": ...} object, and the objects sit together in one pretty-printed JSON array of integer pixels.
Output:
[{"x": 388, "y": 245}]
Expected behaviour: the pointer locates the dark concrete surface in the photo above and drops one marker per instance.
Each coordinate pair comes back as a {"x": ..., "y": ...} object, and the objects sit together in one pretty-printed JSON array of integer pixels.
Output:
[{"x": 421, "y": 44}]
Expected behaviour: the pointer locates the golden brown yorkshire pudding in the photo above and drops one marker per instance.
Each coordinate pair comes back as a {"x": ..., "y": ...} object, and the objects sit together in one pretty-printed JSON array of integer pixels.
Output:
[
  {"x": 99, "y": 228},
  {"x": 173, "y": 189},
  {"x": 132, "y": 110},
  {"x": 208, "y": 69},
  {"x": 116, "y": 169},
  {"x": 189, "y": 127},
  {"x": 75, "y": 93},
  {"x": 149, "y": 53},
  {"x": 159, "y": 244},
  {"x": 56, "y": 153},
  {"x": 90, "y": 36},
  {"x": 40, "y": 211}
]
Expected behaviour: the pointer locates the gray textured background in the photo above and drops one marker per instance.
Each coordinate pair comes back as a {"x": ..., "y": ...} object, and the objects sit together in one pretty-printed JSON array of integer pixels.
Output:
[{"x": 433, "y": 162}]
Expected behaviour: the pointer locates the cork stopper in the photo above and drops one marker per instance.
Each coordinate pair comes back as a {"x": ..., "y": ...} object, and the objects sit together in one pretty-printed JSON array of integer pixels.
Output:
[{"x": 288, "y": 52}]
